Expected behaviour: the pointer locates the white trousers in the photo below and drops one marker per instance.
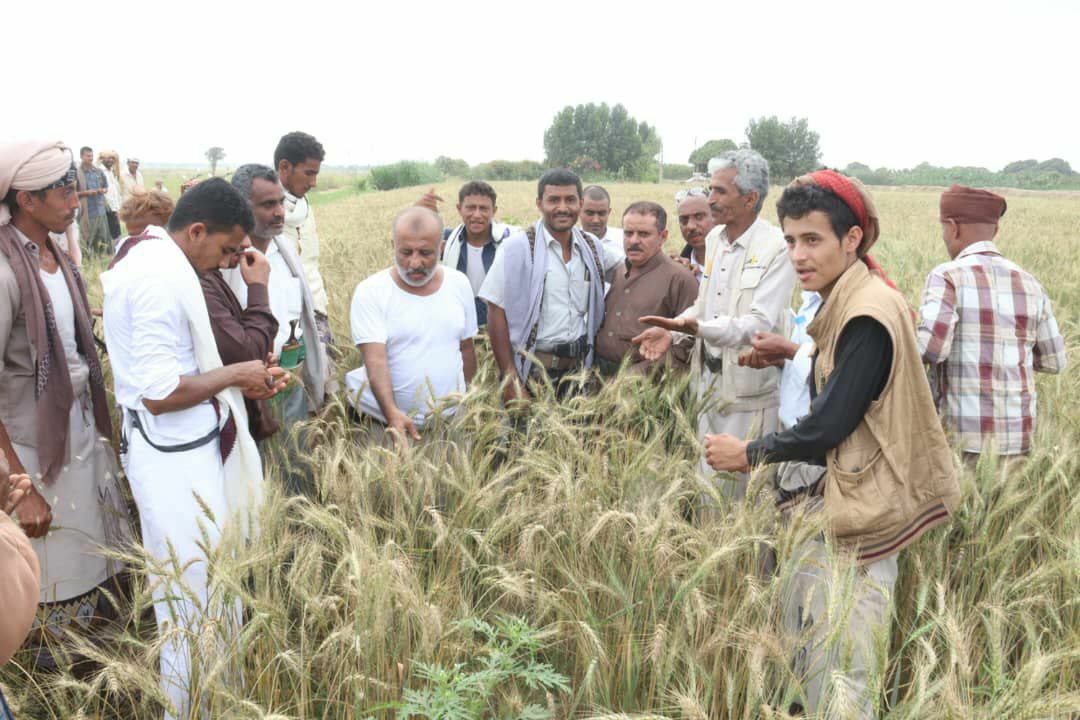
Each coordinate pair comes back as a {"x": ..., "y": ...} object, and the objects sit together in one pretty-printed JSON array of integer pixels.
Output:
[
  {"x": 164, "y": 486},
  {"x": 838, "y": 615}
]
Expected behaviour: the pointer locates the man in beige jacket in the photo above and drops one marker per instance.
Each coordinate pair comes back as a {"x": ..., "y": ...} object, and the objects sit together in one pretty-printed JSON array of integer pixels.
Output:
[
  {"x": 19, "y": 572},
  {"x": 746, "y": 288}
]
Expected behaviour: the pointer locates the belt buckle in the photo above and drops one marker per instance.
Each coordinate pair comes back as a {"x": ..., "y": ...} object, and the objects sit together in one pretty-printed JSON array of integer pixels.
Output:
[{"x": 554, "y": 362}]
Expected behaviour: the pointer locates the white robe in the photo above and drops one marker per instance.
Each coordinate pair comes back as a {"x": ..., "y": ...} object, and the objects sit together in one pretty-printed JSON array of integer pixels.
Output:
[{"x": 165, "y": 485}]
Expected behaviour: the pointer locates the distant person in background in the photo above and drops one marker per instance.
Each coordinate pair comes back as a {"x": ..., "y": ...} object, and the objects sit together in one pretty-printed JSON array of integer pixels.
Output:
[
  {"x": 595, "y": 211},
  {"x": 414, "y": 322},
  {"x": 159, "y": 185},
  {"x": 145, "y": 208},
  {"x": 109, "y": 160},
  {"x": 132, "y": 179},
  {"x": 470, "y": 247},
  {"x": 649, "y": 283},
  {"x": 986, "y": 327},
  {"x": 91, "y": 188},
  {"x": 298, "y": 159},
  {"x": 695, "y": 223}
]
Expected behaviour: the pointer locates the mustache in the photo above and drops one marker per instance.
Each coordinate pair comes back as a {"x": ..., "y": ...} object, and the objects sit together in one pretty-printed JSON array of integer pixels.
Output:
[{"x": 635, "y": 248}]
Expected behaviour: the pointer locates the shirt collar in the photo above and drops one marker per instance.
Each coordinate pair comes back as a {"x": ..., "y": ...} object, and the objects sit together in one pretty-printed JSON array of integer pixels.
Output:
[
  {"x": 743, "y": 240},
  {"x": 985, "y": 247}
]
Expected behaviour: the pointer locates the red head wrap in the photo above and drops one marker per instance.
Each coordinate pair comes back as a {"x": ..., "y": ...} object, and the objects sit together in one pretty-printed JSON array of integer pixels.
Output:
[{"x": 856, "y": 197}]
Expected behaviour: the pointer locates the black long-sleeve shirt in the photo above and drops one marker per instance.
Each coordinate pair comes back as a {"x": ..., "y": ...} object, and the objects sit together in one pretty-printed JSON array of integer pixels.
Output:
[{"x": 863, "y": 362}]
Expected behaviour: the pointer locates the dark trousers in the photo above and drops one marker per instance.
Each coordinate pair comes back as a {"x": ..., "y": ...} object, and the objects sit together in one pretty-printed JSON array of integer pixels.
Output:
[
  {"x": 114, "y": 224},
  {"x": 564, "y": 382}
]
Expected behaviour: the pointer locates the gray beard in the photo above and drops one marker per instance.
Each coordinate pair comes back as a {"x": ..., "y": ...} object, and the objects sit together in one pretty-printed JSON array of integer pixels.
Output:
[{"x": 403, "y": 273}]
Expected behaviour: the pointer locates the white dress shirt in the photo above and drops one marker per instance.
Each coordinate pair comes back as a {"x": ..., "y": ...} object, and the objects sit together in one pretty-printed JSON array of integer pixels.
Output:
[
  {"x": 150, "y": 346},
  {"x": 795, "y": 376},
  {"x": 565, "y": 304},
  {"x": 723, "y": 276}
]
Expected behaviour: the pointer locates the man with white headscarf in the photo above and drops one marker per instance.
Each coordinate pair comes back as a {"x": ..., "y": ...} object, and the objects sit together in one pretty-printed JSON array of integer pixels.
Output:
[
  {"x": 189, "y": 456},
  {"x": 54, "y": 414}
]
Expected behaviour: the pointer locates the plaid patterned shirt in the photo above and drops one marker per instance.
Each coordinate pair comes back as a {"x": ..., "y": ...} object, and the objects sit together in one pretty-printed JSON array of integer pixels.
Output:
[{"x": 985, "y": 327}]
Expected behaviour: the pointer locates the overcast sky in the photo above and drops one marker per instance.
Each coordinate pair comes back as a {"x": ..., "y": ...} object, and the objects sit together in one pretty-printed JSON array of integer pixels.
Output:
[{"x": 948, "y": 82}]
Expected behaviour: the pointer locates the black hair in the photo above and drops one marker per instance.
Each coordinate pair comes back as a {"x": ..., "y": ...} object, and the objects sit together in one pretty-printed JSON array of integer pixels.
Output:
[
  {"x": 596, "y": 192},
  {"x": 476, "y": 187},
  {"x": 798, "y": 201},
  {"x": 246, "y": 175},
  {"x": 558, "y": 176},
  {"x": 215, "y": 203},
  {"x": 645, "y": 207},
  {"x": 297, "y": 147},
  {"x": 13, "y": 204},
  {"x": 85, "y": 148}
]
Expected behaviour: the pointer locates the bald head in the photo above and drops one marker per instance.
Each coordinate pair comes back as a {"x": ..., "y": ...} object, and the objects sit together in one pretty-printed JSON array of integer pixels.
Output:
[{"x": 415, "y": 224}]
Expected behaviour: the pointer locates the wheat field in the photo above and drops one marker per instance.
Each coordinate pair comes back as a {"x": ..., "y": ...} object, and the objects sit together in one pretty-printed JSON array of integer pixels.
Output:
[{"x": 546, "y": 567}]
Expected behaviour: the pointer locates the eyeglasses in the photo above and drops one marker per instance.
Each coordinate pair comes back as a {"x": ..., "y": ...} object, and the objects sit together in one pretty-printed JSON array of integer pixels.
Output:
[{"x": 691, "y": 192}]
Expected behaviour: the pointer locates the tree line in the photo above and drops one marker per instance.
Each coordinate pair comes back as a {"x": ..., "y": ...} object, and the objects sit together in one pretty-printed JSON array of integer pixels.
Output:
[{"x": 607, "y": 143}]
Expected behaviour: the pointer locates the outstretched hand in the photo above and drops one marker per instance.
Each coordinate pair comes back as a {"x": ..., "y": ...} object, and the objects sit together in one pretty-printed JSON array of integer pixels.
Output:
[{"x": 656, "y": 340}]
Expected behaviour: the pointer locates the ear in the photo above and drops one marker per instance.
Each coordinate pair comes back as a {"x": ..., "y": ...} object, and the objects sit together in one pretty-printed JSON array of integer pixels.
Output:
[
  {"x": 853, "y": 240},
  {"x": 952, "y": 229},
  {"x": 752, "y": 198},
  {"x": 458, "y": 206},
  {"x": 538, "y": 203},
  {"x": 283, "y": 166},
  {"x": 663, "y": 235},
  {"x": 196, "y": 232},
  {"x": 25, "y": 200}
]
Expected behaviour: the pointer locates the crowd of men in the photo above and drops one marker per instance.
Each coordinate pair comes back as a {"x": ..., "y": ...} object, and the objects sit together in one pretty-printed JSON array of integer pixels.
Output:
[{"x": 216, "y": 325}]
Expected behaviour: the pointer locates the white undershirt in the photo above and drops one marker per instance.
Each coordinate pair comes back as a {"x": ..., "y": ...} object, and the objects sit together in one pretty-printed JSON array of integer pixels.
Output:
[
  {"x": 474, "y": 267},
  {"x": 64, "y": 312}
]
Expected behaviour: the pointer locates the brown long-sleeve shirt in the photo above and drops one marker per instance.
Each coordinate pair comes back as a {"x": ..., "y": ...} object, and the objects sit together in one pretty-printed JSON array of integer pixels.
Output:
[
  {"x": 242, "y": 335},
  {"x": 663, "y": 287}
]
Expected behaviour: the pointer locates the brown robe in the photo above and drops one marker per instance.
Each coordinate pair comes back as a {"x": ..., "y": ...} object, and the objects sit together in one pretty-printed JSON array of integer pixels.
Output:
[
  {"x": 663, "y": 287},
  {"x": 242, "y": 335}
]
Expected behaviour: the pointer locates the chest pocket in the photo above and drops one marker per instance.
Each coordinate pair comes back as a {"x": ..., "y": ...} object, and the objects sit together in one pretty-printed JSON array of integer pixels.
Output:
[{"x": 750, "y": 277}]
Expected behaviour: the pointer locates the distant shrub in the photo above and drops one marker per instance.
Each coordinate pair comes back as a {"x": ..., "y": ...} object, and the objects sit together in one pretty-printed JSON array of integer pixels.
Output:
[
  {"x": 452, "y": 167},
  {"x": 404, "y": 174},
  {"x": 508, "y": 170},
  {"x": 674, "y": 171}
]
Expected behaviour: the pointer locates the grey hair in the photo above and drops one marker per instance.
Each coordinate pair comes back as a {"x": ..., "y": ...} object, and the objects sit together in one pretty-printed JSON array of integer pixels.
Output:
[
  {"x": 751, "y": 172},
  {"x": 415, "y": 215},
  {"x": 246, "y": 175}
]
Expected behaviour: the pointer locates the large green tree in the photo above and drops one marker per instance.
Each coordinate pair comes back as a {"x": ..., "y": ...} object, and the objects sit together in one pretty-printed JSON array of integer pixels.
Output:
[
  {"x": 700, "y": 158},
  {"x": 597, "y": 135},
  {"x": 790, "y": 147}
]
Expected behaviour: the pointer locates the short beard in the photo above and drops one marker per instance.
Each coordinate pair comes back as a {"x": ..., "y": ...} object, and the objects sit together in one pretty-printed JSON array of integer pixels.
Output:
[{"x": 403, "y": 273}]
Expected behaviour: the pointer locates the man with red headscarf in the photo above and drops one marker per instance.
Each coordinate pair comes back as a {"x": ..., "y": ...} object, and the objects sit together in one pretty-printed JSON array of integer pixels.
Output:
[
  {"x": 985, "y": 328},
  {"x": 871, "y": 454}
]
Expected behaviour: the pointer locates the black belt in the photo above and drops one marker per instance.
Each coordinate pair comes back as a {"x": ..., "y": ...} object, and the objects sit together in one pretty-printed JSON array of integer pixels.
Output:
[
  {"x": 183, "y": 447},
  {"x": 575, "y": 350}
]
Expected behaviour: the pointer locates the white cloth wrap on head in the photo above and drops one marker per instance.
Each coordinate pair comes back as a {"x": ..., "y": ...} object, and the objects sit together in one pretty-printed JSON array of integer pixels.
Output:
[{"x": 30, "y": 165}]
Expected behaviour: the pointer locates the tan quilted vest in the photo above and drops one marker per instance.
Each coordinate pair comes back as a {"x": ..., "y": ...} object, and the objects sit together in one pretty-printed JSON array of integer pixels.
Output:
[{"x": 892, "y": 479}]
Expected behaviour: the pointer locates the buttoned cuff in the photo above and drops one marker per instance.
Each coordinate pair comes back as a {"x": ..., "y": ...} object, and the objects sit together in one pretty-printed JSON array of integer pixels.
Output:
[{"x": 258, "y": 294}]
